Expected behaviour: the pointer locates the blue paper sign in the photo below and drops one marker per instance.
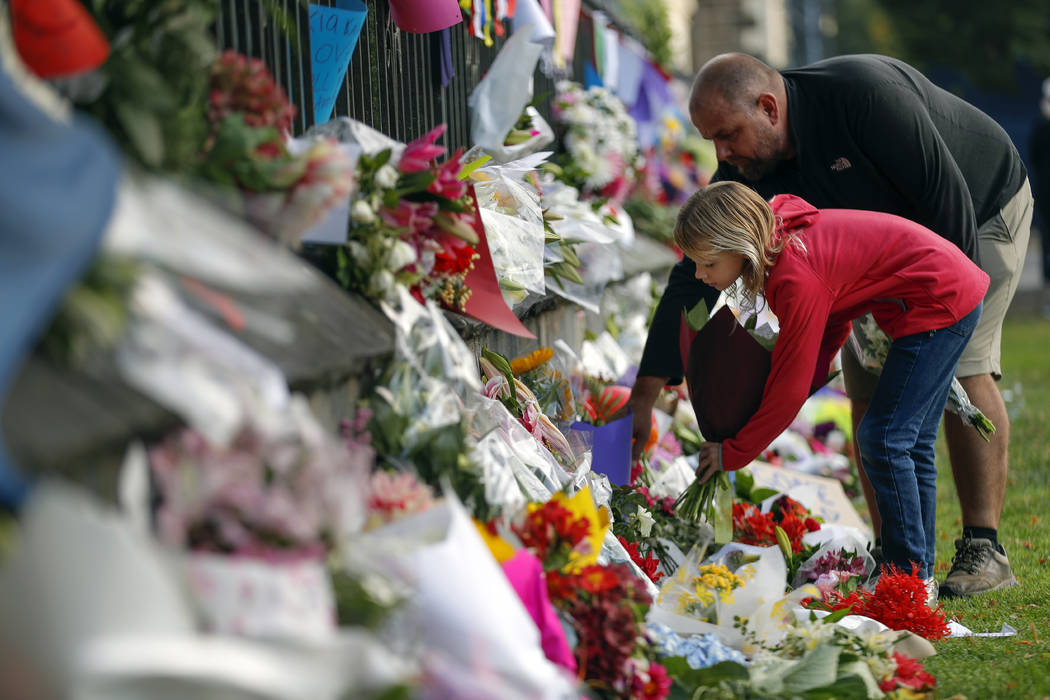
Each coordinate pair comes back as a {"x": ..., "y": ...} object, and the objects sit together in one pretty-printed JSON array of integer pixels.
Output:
[{"x": 333, "y": 36}]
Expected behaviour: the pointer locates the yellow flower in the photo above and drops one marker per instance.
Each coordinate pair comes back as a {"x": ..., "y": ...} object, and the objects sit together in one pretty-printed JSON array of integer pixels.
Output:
[
  {"x": 582, "y": 506},
  {"x": 521, "y": 365},
  {"x": 499, "y": 547}
]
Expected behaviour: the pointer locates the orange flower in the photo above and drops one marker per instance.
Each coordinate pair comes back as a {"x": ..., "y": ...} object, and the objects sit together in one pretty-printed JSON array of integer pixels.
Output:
[{"x": 521, "y": 365}]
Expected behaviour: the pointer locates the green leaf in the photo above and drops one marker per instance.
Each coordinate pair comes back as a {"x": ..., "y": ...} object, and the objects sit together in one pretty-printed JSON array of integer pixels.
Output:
[
  {"x": 837, "y": 615},
  {"x": 817, "y": 668},
  {"x": 744, "y": 481},
  {"x": 410, "y": 183},
  {"x": 760, "y": 494},
  {"x": 143, "y": 130},
  {"x": 697, "y": 316},
  {"x": 503, "y": 366},
  {"x": 691, "y": 678}
]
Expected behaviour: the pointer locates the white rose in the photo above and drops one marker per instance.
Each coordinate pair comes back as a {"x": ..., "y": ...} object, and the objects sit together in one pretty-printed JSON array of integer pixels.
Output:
[
  {"x": 400, "y": 255},
  {"x": 383, "y": 283},
  {"x": 361, "y": 212},
  {"x": 386, "y": 176},
  {"x": 359, "y": 253},
  {"x": 645, "y": 521}
]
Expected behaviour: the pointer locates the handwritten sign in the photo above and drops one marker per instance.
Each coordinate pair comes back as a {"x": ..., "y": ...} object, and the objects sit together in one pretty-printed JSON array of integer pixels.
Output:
[
  {"x": 823, "y": 496},
  {"x": 333, "y": 36}
]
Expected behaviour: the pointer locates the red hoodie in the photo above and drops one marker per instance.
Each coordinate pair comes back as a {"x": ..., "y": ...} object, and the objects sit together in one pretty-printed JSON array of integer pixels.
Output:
[{"x": 853, "y": 262}]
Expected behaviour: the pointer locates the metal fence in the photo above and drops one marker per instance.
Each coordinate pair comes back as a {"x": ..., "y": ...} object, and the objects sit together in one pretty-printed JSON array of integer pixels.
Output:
[{"x": 393, "y": 82}]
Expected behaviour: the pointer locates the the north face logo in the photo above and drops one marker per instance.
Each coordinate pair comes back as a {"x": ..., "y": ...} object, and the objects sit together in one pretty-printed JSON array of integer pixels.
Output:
[{"x": 841, "y": 164}]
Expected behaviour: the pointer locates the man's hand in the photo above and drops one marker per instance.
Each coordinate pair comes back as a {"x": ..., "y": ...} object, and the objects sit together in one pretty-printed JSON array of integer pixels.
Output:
[
  {"x": 710, "y": 460},
  {"x": 643, "y": 397}
]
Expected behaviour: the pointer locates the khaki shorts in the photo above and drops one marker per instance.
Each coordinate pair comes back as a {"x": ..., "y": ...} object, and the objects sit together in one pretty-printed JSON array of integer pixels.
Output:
[{"x": 1003, "y": 241}]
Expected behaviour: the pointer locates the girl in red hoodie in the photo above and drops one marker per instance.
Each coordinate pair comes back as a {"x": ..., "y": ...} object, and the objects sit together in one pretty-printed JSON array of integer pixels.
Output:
[{"x": 819, "y": 270}]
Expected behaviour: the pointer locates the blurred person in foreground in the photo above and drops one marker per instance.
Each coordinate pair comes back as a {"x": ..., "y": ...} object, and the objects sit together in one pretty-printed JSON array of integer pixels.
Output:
[{"x": 870, "y": 132}]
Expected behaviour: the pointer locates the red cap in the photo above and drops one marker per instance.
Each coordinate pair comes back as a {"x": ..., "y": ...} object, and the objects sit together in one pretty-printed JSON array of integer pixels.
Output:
[{"x": 57, "y": 37}]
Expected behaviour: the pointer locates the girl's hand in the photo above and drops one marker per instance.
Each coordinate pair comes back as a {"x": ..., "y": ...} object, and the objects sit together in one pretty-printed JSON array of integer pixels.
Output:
[{"x": 710, "y": 460}]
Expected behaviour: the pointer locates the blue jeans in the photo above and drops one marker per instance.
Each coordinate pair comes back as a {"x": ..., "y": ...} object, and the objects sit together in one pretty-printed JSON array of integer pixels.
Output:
[{"x": 897, "y": 439}]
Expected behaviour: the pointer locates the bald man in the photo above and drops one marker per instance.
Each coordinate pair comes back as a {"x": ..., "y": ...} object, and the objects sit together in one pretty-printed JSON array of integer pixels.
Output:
[{"x": 871, "y": 132}]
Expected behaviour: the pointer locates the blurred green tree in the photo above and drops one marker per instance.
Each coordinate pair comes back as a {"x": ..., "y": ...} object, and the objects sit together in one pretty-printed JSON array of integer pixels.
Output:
[{"x": 981, "y": 39}]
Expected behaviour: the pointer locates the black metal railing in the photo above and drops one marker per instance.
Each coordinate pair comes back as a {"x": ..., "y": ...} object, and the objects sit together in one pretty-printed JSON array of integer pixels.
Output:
[{"x": 393, "y": 82}]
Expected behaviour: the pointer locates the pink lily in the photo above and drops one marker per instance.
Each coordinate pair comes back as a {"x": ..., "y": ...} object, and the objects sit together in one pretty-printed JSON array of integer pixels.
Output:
[{"x": 418, "y": 154}]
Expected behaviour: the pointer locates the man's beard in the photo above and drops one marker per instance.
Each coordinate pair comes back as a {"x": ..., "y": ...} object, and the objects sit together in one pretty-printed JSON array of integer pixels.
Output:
[{"x": 768, "y": 156}]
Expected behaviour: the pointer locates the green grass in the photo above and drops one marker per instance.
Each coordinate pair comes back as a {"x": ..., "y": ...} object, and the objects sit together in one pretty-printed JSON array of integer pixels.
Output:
[{"x": 1019, "y": 666}]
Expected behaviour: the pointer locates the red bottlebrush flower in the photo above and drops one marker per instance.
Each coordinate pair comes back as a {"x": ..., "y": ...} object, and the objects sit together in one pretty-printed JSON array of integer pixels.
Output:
[
  {"x": 898, "y": 601},
  {"x": 418, "y": 154},
  {"x": 909, "y": 674},
  {"x": 653, "y": 684}
]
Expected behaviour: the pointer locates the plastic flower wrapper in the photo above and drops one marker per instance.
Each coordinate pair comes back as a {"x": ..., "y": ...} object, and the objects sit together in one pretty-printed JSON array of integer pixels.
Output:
[
  {"x": 503, "y": 92},
  {"x": 719, "y": 594},
  {"x": 550, "y": 385},
  {"x": 418, "y": 420},
  {"x": 501, "y": 384},
  {"x": 461, "y": 602},
  {"x": 514, "y": 230},
  {"x": 530, "y": 133},
  {"x": 841, "y": 559},
  {"x": 871, "y": 345},
  {"x": 822, "y": 657}
]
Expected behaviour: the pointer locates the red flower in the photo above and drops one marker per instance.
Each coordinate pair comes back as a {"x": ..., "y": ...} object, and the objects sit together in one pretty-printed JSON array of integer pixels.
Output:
[
  {"x": 812, "y": 525},
  {"x": 651, "y": 685},
  {"x": 795, "y": 529},
  {"x": 552, "y": 532},
  {"x": 636, "y": 471},
  {"x": 447, "y": 183},
  {"x": 899, "y": 602},
  {"x": 418, "y": 154},
  {"x": 596, "y": 578},
  {"x": 414, "y": 217},
  {"x": 649, "y": 563},
  {"x": 909, "y": 674},
  {"x": 752, "y": 526},
  {"x": 455, "y": 256}
]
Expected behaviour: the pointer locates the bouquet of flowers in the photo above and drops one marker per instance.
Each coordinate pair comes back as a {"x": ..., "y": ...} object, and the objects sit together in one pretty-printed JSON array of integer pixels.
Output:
[
  {"x": 601, "y": 140},
  {"x": 260, "y": 496},
  {"x": 605, "y": 605},
  {"x": 411, "y": 225},
  {"x": 899, "y": 601},
  {"x": 285, "y": 191},
  {"x": 501, "y": 384}
]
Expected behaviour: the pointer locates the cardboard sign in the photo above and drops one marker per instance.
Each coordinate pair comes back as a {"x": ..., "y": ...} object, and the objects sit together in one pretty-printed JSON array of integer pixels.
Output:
[
  {"x": 333, "y": 36},
  {"x": 823, "y": 496}
]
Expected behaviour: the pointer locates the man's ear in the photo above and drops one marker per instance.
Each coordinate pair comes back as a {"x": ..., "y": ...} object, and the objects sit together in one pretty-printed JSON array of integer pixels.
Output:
[{"x": 768, "y": 106}]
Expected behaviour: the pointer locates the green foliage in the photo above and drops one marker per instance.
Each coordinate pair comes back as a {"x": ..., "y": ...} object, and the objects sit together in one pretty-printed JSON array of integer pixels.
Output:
[
  {"x": 653, "y": 25},
  {"x": 651, "y": 219},
  {"x": 1007, "y": 666},
  {"x": 983, "y": 40},
  {"x": 94, "y": 313},
  {"x": 157, "y": 77}
]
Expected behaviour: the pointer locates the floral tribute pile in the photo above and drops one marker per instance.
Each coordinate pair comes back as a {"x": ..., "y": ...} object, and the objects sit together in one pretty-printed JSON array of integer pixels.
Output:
[{"x": 411, "y": 224}]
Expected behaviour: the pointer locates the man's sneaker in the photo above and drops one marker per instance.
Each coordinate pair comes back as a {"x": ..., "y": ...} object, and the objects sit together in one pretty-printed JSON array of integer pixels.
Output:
[{"x": 976, "y": 568}]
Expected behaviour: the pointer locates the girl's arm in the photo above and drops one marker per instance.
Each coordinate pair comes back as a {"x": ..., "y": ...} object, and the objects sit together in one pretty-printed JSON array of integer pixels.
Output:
[{"x": 802, "y": 304}]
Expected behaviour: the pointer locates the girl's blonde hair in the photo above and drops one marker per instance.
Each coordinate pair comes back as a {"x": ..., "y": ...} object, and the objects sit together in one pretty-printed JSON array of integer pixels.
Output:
[{"x": 728, "y": 217}]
